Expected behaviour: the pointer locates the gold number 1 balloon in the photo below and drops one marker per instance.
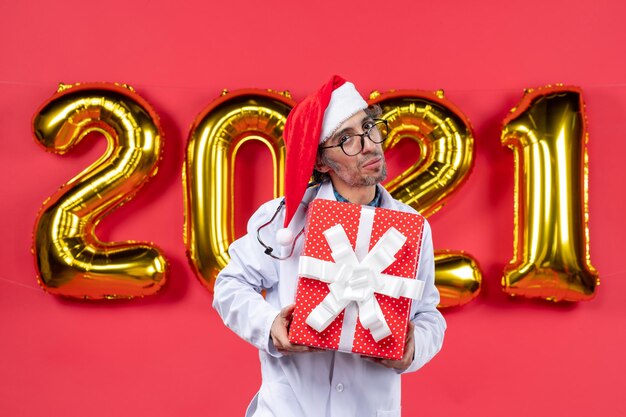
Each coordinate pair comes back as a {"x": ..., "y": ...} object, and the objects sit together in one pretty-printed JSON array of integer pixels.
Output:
[
  {"x": 70, "y": 259},
  {"x": 548, "y": 135}
]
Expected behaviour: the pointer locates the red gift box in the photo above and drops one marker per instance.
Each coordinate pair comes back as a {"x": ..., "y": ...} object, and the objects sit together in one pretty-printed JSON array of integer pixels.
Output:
[{"x": 357, "y": 279}]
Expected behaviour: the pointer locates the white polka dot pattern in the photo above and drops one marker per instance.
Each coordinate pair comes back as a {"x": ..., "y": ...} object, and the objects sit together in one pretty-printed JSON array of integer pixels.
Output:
[{"x": 322, "y": 215}]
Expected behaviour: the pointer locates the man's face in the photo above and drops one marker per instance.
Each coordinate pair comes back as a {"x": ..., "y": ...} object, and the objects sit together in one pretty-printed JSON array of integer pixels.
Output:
[{"x": 364, "y": 169}]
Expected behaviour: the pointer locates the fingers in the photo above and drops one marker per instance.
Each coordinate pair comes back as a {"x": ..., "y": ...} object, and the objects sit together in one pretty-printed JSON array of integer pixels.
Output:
[
  {"x": 410, "y": 327},
  {"x": 287, "y": 312},
  {"x": 401, "y": 364},
  {"x": 282, "y": 344},
  {"x": 372, "y": 359},
  {"x": 388, "y": 363},
  {"x": 407, "y": 357},
  {"x": 279, "y": 332},
  {"x": 410, "y": 333}
]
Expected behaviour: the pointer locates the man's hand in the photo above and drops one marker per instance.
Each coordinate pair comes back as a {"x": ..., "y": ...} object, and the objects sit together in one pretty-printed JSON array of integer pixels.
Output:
[
  {"x": 278, "y": 333},
  {"x": 409, "y": 352}
]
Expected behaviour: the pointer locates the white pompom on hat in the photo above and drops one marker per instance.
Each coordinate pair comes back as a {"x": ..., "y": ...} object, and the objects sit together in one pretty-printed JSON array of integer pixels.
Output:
[{"x": 311, "y": 122}]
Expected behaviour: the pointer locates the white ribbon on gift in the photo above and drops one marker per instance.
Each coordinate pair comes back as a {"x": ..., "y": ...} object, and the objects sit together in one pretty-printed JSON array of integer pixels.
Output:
[{"x": 353, "y": 281}]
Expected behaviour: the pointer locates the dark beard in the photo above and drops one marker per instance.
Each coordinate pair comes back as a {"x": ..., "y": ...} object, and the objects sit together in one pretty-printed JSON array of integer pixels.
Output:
[{"x": 362, "y": 181}]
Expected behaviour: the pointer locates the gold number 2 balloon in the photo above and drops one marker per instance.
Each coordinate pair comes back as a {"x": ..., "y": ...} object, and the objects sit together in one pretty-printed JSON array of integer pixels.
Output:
[
  {"x": 547, "y": 133},
  {"x": 215, "y": 137},
  {"x": 70, "y": 259},
  {"x": 446, "y": 143}
]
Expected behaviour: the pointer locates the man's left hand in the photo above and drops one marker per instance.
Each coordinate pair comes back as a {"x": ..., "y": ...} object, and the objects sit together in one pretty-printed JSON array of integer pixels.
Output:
[{"x": 409, "y": 352}]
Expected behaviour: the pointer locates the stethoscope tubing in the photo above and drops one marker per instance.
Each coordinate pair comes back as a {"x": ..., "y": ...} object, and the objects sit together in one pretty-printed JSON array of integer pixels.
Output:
[{"x": 268, "y": 249}]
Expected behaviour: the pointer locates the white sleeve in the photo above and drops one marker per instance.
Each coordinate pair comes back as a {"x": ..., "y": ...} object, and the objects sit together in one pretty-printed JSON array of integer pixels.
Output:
[
  {"x": 429, "y": 323},
  {"x": 237, "y": 291}
]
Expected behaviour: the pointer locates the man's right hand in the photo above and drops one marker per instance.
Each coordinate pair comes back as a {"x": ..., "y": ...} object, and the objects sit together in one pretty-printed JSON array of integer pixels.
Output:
[{"x": 279, "y": 336}]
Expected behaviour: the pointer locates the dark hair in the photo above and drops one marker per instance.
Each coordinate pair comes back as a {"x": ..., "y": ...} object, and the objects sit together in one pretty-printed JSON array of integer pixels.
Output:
[{"x": 374, "y": 111}]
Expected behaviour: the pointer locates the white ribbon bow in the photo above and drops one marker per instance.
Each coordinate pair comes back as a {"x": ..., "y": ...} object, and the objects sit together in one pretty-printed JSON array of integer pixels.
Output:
[{"x": 350, "y": 280}]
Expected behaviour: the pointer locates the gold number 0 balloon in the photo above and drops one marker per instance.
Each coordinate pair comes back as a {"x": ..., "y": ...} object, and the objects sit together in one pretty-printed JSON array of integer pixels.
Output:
[
  {"x": 548, "y": 135},
  {"x": 445, "y": 138},
  {"x": 70, "y": 259},
  {"x": 214, "y": 139}
]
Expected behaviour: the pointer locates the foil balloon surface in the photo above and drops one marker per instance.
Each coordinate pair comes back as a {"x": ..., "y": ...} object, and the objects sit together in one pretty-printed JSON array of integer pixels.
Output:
[
  {"x": 70, "y": 259},
  {"x": 446, "y": 154},
  {"x": 548, "y": 135},
  {"x": 458, "y": 277},
  {"x": 216, "y": 136}
]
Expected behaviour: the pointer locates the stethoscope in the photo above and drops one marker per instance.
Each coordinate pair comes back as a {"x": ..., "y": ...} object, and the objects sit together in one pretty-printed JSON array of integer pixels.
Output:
[{"x": 269, "y": 249}]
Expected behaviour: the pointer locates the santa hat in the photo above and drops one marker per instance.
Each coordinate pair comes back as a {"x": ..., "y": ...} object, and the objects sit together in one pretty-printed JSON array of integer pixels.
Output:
[{"x": 310, "y": 123}]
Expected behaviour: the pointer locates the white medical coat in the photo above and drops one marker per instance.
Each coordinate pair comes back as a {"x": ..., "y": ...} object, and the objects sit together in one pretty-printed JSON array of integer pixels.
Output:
[{"x": 315, "y": 384}]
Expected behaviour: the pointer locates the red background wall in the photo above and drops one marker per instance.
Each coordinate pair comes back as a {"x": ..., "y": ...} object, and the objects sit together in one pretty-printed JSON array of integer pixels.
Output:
[{"x": 170, "y": 354}]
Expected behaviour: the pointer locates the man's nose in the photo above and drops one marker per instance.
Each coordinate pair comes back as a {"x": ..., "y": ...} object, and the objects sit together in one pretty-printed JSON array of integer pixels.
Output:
[{"x": 368, "y": 145}]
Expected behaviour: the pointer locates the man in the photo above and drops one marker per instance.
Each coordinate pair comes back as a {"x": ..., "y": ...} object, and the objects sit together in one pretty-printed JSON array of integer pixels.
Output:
[{"x": 333, "y": 132}]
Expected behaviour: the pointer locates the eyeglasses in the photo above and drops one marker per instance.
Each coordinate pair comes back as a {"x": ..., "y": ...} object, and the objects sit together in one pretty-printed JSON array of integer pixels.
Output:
[{"x": 376, "y": 130}]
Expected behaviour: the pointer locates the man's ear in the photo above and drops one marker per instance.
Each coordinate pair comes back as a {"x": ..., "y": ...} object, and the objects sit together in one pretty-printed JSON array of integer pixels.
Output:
[{"x": 320, "y": 166}]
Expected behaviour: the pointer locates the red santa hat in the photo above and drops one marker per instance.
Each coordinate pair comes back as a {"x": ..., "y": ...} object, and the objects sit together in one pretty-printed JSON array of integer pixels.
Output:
[{"x": 311, "y": 122}]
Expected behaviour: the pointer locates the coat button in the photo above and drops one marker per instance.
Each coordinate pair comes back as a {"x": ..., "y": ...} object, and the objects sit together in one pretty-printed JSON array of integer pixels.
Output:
[{"x": 339, "y": 387}]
